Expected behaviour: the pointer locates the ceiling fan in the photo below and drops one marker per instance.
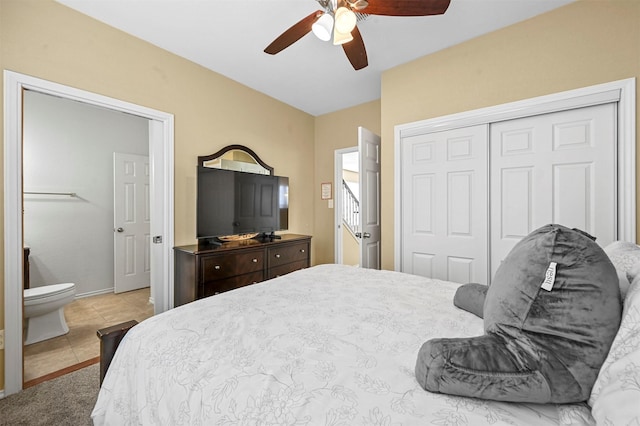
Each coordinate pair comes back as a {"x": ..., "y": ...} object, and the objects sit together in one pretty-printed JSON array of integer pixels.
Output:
[{"x": 339, "y": 18}]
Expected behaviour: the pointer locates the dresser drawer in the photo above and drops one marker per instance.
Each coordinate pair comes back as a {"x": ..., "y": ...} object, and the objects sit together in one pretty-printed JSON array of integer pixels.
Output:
[
  {"x": 227, "y": 265},
  {"x": 277, "y": 271},
  {"x": 292, "y": 253},
  {"x": 220, "y": 286}
]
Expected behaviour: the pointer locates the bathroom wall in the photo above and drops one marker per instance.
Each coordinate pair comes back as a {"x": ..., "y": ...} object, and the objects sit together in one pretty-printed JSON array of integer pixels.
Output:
[{"x": 68, "y": 147}]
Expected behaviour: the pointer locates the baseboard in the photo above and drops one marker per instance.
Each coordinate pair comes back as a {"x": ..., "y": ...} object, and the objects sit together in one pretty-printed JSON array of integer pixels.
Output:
[
  {"x": 1, "y": 393},
  {"x": 99, "y": 292},
  {"x": 94, "y": 293}
]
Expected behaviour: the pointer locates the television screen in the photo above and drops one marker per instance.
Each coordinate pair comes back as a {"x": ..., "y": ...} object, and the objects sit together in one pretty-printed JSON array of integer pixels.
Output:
[{"x": 231, "y": 202}]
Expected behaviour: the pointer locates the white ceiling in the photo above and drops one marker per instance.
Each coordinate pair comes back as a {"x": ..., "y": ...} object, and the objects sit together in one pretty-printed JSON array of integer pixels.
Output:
[{"x": 229, "y": 36}]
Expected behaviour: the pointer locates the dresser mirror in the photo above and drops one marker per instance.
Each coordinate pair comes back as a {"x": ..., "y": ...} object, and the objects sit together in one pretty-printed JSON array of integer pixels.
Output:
[{"x": 238, "y": 158}]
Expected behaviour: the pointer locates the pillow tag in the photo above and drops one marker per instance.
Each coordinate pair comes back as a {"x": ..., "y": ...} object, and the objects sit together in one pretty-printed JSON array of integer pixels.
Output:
[{"x": 549, "y": 277}]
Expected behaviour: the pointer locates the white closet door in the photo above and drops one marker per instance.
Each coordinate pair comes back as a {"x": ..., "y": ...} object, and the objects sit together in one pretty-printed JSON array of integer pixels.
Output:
[
  {"x": 445, "y": 204},
  {"x": 553, "y": 168}
]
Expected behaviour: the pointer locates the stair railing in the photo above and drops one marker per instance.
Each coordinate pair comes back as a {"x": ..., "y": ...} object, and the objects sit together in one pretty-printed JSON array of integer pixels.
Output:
[{"x": 350, "y": 209}]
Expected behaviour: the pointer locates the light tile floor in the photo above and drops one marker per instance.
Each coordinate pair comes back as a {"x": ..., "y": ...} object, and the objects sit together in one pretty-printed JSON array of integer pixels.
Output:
[{"x": 84, "y": 317}]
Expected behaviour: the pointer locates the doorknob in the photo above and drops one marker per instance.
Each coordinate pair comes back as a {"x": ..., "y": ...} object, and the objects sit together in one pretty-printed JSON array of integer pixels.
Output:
[
  {"x": 366, "y": 235},
  {"x": 358, "y": 234},
  {"x": 120, "y": 230}
]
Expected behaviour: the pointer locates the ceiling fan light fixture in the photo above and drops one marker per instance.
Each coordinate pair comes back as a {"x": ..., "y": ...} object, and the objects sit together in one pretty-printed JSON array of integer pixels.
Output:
[
  {"x": 341, "y": 38},
  {"x": 323, "y": 27},
  {"x": 359, "y": 4},
  {"x": 345, "y": 20}
]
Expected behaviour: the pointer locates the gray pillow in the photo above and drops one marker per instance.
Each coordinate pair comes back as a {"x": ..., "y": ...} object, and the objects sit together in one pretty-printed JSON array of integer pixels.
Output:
[
  {"x": 546, "y": 333},
  {"x": 470, "y": 297}
]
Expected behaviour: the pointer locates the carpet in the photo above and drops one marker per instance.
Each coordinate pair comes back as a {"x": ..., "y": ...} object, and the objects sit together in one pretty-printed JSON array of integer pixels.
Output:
[{"x": 66, "y": 400}]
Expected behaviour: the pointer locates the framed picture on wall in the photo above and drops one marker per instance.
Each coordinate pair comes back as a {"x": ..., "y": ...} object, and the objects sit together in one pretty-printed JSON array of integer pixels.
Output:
[{"x": 326, "y": 190}]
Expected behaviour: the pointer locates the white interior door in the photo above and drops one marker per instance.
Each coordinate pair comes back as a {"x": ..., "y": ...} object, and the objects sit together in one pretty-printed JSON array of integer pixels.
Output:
[
  {"x": 132, "y": 218},
  {"x": 444, "y": 204},
  {"x": 369, "y": 147},
  {"x": 553, "y": 168}
]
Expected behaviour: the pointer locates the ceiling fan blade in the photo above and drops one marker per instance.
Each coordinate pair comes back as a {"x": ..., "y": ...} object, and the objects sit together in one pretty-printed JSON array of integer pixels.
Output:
[
  {"x": 406, "y": 7},
  {"x": 293, "y": 34},
  {"x": 355, "y": 51}
]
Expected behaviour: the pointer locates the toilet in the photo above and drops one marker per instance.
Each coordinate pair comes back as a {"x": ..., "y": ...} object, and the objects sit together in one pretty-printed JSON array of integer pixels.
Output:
[{"x": 44, "y": 311}]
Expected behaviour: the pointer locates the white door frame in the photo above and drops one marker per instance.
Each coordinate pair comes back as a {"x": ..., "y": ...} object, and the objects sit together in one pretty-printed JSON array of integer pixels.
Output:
[
  {"x": 161, "y": 142},
  {"x": 337, "y": 205},
  {"x": 623, "y": 92}
]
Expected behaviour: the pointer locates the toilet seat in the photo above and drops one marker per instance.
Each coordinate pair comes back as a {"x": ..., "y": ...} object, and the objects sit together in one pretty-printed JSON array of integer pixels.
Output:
[{"x": 39, "y": 293}]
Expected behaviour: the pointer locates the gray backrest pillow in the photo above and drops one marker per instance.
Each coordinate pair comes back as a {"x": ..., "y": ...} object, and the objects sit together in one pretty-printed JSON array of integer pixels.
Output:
[{"x": 550, "y": 316}]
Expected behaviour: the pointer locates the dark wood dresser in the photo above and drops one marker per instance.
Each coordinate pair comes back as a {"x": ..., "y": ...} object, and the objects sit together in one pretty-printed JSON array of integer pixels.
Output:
[{"x": 202, "y": 271}]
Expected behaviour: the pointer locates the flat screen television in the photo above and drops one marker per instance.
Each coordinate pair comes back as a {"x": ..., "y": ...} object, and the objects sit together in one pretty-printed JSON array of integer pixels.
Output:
[{"x": 230, "y": 202}]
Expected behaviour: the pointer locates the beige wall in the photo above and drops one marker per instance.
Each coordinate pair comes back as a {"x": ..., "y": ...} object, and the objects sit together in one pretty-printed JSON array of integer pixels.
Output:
[
  {"x": 333, "y": 131},
  {"x": 49, "y": 41},
  {"x": 582, "y": 44}
]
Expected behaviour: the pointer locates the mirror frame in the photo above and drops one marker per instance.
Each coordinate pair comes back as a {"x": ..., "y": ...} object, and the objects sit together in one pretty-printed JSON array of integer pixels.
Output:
[{"x": 204, "y": 158}]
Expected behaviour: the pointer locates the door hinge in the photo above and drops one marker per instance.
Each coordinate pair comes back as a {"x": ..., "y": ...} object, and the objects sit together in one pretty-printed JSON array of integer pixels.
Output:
[{"x": 157, "y": 239}]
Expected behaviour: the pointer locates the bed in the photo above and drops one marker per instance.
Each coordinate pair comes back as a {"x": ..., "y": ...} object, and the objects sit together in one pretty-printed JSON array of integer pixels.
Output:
[{"x": 328, "y": 345}]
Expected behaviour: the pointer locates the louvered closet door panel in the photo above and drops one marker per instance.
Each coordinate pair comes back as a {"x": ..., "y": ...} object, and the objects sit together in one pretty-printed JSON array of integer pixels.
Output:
[
  {"x": 444, "y": 205},
  {"x": 553, "y": 168}
]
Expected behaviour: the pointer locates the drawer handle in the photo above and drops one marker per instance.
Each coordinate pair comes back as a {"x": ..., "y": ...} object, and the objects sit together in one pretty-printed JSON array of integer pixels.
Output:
[
  {"x": 216, "y": 267},
  {"x": 254, "y": 260},
  {"x": 277, "y": 256},
  {"x": 301, "y": 250}
]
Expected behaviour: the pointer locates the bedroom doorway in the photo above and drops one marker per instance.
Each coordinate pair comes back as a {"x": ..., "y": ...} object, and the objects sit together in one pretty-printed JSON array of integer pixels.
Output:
[
  {"x": 357, "y": 202},
  {"x": 347, "y": 206},
  {"x": 161, "y": 193},
  {"x": 67, "y": 171}
]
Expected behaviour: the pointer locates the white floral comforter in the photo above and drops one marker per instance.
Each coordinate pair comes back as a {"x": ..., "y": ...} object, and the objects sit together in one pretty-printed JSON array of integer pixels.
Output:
[{"x": 328, "y": 345}]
